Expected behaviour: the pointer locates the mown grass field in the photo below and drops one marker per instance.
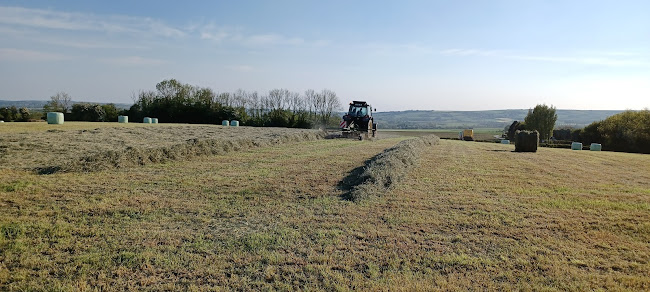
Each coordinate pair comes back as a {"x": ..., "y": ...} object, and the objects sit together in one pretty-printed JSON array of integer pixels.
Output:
[
  {"x": 479, "y": 134},
  {"x": 34, "y": 127},
  {"x": 83, "y": 145},
  {"x": 468, "y": 216}
]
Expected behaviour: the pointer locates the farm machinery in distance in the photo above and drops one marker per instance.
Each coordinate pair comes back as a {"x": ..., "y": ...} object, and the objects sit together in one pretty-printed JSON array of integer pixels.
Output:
[{"x": 358, "y": 122}]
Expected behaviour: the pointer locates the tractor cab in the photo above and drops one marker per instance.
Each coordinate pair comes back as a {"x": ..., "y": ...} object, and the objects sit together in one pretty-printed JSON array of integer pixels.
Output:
[{"x": 359, "y": 109}]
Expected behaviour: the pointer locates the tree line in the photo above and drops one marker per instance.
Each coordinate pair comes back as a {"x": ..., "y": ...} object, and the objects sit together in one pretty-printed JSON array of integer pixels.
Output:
[
  {"x": 173, "y": 101},
  {"x": 628, "y": 131},
  {"x": 89, "y": 112},
  {"x": 176, "y": 102},
  {"x": 13, "y": 114}
]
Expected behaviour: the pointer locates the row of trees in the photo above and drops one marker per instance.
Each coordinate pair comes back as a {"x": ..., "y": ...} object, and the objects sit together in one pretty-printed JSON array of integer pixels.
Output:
[
  {"x": 90, "y": 112},
  {"x": 173, "y": 101},
  {"x": 13, "y": 114}
]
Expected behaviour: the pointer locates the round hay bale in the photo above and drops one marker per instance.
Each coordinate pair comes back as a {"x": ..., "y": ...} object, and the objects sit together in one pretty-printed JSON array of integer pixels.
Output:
[
  {"x": 576, "y": 146},
  {"x": 55, "y": 118},
  {"x": 123, "y": 119},
  {"x": 147, "y": 120},
  {"x": 2, "y": 122},
  {"x": 526, "y": 141},
  {"x": 595, "y": 147},
  {"x": 505, "y": 141},
  {"x": 154, "y": 120},
  {"x": 234, "y": 123},
  {"x": 225, "y": 123}
]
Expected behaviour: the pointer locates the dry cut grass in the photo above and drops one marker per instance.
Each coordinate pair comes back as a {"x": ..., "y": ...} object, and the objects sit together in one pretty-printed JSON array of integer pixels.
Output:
[
  {"x": 78, "y": 149},
  {"x": 479, "y": 216},
  {"x": 266, "y": 218},
  {"x": 468, "y": 216},
  {"x": 389, "y": 167},
  {"x": 43, "y": 126}
]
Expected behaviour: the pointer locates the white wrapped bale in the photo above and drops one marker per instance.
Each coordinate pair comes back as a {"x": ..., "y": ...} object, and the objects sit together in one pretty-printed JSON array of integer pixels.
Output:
[
  {"x": 505, "y": 141},
  {"x": 234, "y": 123},
  {"x": 123, "y": 119},
  {"x": 154, "y": 120},
  {"x": 147, "y": 120},
  {"x": 595, "y": 147},
  {"x": 225, "y": 123},
  {"x": 55, "y": 118},
  {"x": 576, "y": 146},
  {"x": 2, "y": 122}
]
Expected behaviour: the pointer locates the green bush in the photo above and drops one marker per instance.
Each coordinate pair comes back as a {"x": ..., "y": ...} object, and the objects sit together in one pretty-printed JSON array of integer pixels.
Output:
[
  {"x": 110, "y": 112},
  {"x": 9, "y": 114},
  {"x": 628, "y": 131},
  {"x": 87, "y": 112},
  {"x": 562, "y": 134}
]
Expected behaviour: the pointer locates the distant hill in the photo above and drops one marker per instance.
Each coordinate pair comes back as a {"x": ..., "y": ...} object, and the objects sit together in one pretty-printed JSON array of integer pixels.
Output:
[
  {"x": 480, "y": 119},
  {"x": 38, "y": 104}
]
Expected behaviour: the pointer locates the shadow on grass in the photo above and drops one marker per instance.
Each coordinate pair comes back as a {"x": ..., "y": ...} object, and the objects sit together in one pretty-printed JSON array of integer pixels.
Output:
[
  {"x": 354, "y": 179},
  {"x": 511, "y": 151},
  {"x": 48, "y": 170}
]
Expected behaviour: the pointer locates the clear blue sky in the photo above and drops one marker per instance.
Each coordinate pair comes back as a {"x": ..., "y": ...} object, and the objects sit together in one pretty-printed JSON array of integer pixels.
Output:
[{"x": 399, "y": 55}]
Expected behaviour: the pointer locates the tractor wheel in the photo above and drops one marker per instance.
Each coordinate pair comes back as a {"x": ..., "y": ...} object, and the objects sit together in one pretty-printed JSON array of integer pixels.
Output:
[{"x": 374, "y": 129}]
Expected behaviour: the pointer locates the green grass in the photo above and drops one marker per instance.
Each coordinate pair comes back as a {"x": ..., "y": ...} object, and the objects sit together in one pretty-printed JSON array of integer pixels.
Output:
[
  {"x": 469, "y": 216},
  {"x": 556, "y": 219}
]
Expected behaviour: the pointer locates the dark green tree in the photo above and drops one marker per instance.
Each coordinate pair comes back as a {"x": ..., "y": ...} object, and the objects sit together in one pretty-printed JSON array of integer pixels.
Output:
[
  {"x": 87, "y": 112},
  {"x": 514, "y": 127},
  {"x": 23, "y": 115},
  {"x": 13, "y": 114},
  {"x": 110, "y": 113},
  {"x": 628, "y": 131},
  {"x": 541, "y": 118},
  {"x": 5, "y": 114}
]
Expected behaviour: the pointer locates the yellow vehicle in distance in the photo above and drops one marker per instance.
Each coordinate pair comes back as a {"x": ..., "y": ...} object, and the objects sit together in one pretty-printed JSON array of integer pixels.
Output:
[{"x": 468, "y": 135}]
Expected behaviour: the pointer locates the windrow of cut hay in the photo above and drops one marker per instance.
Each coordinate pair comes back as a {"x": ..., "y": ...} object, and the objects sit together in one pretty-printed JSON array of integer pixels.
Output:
[
  {"x": 130, "y": 157},
  {"x": 70, "y": 149},
  {"x": 389, "y": 167}
]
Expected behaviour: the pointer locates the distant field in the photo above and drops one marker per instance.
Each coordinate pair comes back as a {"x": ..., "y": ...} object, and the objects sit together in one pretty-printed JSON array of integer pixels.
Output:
[
  {"x": 479, "y": 134},
  {"x": 469, "y": 216},
  {"x": 481, "y": 119}
]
